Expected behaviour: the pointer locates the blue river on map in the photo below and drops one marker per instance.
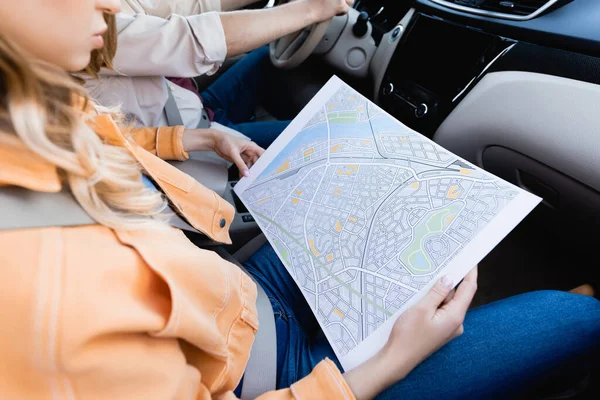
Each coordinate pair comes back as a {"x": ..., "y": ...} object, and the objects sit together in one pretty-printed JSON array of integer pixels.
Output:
[{"x": 360, "y": 130}]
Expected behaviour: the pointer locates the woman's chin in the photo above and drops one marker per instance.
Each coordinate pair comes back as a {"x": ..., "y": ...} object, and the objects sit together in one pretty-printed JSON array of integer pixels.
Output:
[{"x": 77, "y": 64}]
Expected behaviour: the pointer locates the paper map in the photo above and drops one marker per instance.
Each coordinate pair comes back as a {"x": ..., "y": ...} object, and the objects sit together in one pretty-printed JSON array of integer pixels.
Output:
[{"x": 366, "y": 214}]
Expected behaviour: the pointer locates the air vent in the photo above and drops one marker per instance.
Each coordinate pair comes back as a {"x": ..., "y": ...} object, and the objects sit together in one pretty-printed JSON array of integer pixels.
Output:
[
  {"x": 519, "y": 10},
  {"x": 517, "y": 7}
]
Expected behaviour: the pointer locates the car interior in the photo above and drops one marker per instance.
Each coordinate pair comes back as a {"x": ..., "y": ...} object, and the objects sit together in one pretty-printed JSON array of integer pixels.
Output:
[{"x": 511, "y": 86}]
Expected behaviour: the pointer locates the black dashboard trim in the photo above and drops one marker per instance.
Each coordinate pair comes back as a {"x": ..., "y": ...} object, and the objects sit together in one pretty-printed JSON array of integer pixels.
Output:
[
  {"x": 573, "y": 26},
  {"x": 527, "y": 57}
]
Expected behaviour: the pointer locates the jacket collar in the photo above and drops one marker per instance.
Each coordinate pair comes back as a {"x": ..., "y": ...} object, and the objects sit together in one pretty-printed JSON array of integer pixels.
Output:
[{"x": 20, "y": 166}]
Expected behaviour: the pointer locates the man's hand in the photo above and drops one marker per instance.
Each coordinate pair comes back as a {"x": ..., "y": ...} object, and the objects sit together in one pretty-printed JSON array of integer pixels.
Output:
[
  {"x": 261, "y": 27},
  {"x": 326, "y": 9},
  {"x": 243, "y": 153},
  {"x": 418, "y": 333}
]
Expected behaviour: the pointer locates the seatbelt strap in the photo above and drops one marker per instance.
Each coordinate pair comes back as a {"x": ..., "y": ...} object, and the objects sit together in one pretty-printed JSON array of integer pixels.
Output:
[
  {"x": 174, "y": 115},
  {"x": 261, "y": 371},
  {"x": 26, "y": 209},
  {"x": 260, "y": 375},
  {"x": 22, "y": 208}
]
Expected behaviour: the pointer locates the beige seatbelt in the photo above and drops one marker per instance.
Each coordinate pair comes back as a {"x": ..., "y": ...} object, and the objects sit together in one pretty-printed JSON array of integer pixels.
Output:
[
  {"x": 261, "y": 371},
  {"x": 21, "y": 208},
  {"x": 40, "y": 209},
  {"x": 174, "y": 115}
]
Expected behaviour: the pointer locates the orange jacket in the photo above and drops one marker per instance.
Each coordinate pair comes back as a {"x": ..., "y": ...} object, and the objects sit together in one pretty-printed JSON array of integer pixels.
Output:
[{"x": 94, "y": 313}]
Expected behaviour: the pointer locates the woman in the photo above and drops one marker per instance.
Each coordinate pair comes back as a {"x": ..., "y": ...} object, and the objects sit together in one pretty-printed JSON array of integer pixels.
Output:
[{"x": 128, "y": 308}]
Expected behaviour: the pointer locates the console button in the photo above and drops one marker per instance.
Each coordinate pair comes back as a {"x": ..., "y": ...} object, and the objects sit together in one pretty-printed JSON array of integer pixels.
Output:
[
  {"x": 387, "y": 89},
  {"x": 396, "y": 33},
  {"x": 356, "y": 58},
  {"x": 421, "y": 110},
  {"x": 247, "y": 218}
]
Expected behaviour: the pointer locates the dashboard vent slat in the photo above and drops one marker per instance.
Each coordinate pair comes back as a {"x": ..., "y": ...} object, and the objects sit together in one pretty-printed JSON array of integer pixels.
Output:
[
  {"x": 516, "y": 7},
  {"x": 509, "y": 9}
]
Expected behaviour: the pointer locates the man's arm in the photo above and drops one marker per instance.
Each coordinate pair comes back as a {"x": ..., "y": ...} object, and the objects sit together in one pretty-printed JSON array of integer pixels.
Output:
[
  {"x": 196, "y": 45},
  {"x": 185, "y": 8},
  {"x": 177, "y": 46},
  {"x": 249, "y": 29}
]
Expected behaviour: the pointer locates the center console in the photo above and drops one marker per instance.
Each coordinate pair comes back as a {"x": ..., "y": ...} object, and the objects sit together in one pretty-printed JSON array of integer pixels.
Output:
[{"x": 433, "y": 66}]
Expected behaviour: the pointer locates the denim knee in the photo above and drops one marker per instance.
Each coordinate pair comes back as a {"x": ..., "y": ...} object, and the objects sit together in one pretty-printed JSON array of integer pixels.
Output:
[
  {"x": 565, "y": 301},
  {"x": 260, "y": 53},
  {"x": 581, "y": 311}
]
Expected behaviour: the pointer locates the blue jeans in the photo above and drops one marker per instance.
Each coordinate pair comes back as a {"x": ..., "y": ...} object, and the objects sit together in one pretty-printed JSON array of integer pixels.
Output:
[
  {"x": 236, "y": 94},
  {"x": 539, "y": 341}
]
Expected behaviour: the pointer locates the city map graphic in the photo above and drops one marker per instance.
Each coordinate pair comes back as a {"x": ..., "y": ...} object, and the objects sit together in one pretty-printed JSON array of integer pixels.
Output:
[{"x": 365, "y": 213}]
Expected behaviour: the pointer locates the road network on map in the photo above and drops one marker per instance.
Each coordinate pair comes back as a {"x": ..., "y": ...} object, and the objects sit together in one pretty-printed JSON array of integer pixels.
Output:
[{"x": 364, "y": 212}]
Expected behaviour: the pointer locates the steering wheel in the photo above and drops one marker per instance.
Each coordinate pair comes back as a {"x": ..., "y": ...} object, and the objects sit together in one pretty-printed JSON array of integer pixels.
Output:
[{"x": 292, "y": 50}]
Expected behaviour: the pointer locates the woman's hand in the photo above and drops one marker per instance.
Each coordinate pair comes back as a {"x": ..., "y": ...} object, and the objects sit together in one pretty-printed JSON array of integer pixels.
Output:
[
  {"x": 326, "y": 9},
  {"x": 418, "y": 333},
  {"x": 242, "y": 152},
  {"x": 432, "y": 322}
]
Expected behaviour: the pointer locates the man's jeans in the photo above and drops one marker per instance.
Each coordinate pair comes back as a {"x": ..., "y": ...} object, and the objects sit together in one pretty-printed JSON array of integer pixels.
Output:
[{"x": 236, "y": 94}]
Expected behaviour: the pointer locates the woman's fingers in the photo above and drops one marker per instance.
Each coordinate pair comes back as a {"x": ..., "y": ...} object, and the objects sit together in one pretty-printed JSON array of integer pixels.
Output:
[
  {"x": 259, "y": 150},
  {"x": 252, "y": 147},
  {"x": 250, "y": 153},
  {"x": 449, "y": 297},
  {"x": 459, "y": 331},
  {"x": 249, "y": 159},
  {"x": 472, "y": 275},
  {"x": 454, "y": 303},
  {"x": 464, "y": 294},
  {"x": 239, "y": 162},
  {"x": 438, "y": 293}
]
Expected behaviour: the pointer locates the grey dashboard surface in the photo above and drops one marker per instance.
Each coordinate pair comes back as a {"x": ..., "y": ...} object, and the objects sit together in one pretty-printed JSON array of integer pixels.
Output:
[
  {"x": 549, "y": 119},
  {"x": 573, "y": 26}
]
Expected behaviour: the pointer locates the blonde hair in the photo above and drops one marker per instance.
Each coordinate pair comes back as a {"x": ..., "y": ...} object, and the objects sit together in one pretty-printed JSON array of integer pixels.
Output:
[{"x": 37, "y": 104}]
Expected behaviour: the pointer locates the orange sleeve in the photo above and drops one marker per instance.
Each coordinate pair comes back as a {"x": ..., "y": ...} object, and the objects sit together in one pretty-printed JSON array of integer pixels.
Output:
[
  {"x": 166, "y": 142},
  {"x": 324, "y": 382}
]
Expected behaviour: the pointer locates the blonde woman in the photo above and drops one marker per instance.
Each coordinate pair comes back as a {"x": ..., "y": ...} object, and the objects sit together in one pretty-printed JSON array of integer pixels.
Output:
[{"x": 127, "y": 308}]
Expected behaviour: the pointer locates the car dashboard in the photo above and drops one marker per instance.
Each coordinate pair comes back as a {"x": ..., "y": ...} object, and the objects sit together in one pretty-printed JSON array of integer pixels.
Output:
[
  {"x": 433, "y": 55},
  {"x": 447, "y": 46},
  {"x": 435, "y": 64}
]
